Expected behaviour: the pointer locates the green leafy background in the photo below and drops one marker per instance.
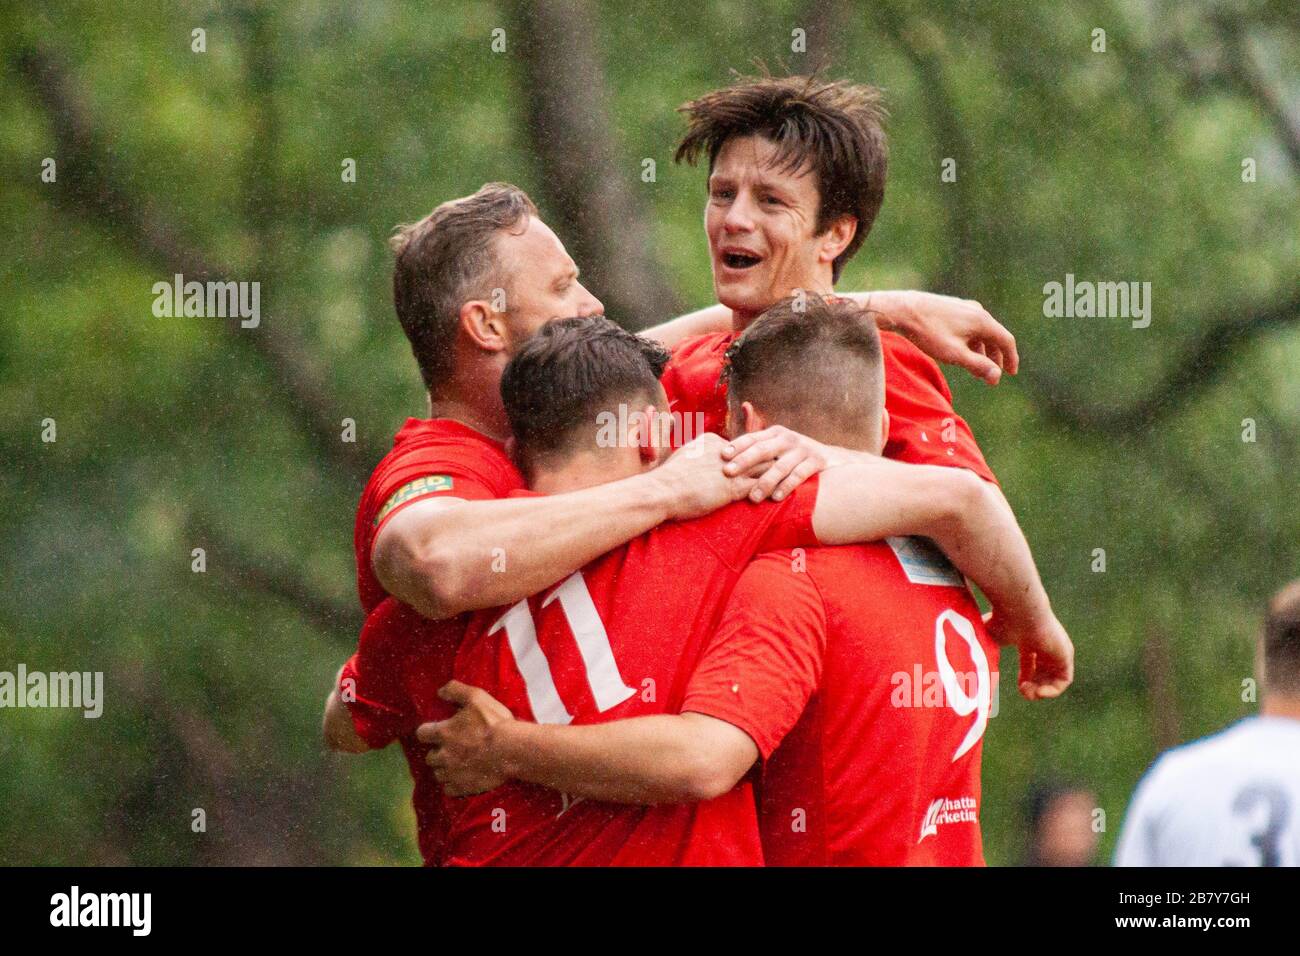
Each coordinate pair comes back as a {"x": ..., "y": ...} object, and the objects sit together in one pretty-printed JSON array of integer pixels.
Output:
[{"x": 181, "y": 433}]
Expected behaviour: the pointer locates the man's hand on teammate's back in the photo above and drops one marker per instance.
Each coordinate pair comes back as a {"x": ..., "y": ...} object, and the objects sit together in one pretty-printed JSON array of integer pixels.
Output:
[
  {"x": 1046, "y": 654},
  {"x": 461, "y": 757}
]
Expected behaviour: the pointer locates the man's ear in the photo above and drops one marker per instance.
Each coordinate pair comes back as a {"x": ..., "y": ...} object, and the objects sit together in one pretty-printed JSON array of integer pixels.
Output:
[
  {"x": 483, "y": 326},
  {"x": 884, "y": 430},
  {"x": 650, "y": 454},
  {"x": 753, "y": 419},
  {"x": 643, "y": 432},
  {"x": 837, "y": 238}
]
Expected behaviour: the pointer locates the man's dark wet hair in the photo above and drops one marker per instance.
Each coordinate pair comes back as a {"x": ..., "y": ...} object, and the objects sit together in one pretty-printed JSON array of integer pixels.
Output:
[
  {"x": 813, "y": 365},
  {"x": 1282, "y": 642},
  {"x": 832, "y": 127},
  {"x": 559, "y": 382}
]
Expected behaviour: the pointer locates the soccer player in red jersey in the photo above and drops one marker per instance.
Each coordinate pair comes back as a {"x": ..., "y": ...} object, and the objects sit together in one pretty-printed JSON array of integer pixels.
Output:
[
  {"x": 879, "y": 650},
  {"x": 620, "y": 636},
  {"x": 797, "y": 170},
  {"x": 471, "y": 282},
  {"x": 871, "y": 662}
]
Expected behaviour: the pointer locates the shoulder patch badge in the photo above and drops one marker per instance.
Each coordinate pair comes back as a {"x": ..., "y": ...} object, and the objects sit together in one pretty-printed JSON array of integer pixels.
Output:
[{"x": 427, "y": 485}]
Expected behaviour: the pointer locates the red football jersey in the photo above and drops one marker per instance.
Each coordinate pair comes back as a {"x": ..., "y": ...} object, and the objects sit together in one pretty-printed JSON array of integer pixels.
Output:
[
  {"x": 429, "y": 457},
  {"x": 866, "y": 678},
  {"x": 619, "y": 638},
  {"x": 923, "y": 428},
  {"x": 391, "y": 687},
  {"x": 390, "y": 683}
]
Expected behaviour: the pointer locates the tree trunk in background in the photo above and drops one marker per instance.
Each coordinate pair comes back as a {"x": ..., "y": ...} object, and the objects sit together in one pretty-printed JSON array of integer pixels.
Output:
[
  {"x": 920, "y": 44},
  {"x": 1157, "y": 668},
  {"x": 588, "y": 183},
  {"x": 825, "y": 22},
  {"x": 140, "y": 224}
]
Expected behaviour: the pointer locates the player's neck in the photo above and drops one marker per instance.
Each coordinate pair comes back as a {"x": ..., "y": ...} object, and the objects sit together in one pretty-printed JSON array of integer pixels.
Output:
[
  {"x": 491, "y": 422},
  {"x": 1276, "y": 705},
  {"x": 583, "y": 470},
  {"x": 741, "y": 319}
]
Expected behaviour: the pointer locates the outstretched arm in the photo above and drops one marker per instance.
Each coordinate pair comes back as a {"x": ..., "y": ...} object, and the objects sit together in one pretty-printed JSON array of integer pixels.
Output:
[
  {"x": 874, "y": 498},
  {"x": 770, "y": 640},
  {"x": 948, "y": 329},
  {"x": 714, "y": 318},
  {"x": 444, "y": 557},
  {"x": 973, "y": 525},
  {"x": 664, "y": 758}
]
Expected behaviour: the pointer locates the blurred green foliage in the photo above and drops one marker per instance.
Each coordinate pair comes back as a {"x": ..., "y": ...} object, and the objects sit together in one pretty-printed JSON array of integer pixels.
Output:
[{"x": 174, "y": 434}]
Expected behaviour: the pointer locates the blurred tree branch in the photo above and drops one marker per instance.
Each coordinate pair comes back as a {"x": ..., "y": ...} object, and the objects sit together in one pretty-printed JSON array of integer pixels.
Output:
[
  {"x": 917, "y": 40},
  {"x": 1233, "y": 65},
  {"x": 277, "y": 579},
  {"x": 585, "y": 176},
  {"x": 251, "y": 821},
  {"x": 825, "y": 22},
  {"x": 90, "y": 188},
  {"x": 1200, "y": 364},
  {"x": 1248, "y": 76}
]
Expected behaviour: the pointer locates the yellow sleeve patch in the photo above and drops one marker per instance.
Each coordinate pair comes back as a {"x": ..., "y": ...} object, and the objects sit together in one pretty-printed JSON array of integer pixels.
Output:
[{"x": 428, "y": 485}]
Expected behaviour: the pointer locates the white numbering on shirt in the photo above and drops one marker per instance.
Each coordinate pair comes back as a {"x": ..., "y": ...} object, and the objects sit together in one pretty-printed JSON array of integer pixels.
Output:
[
  {"x": 607, "y": 686},
  {"x": 1267, "y": 839},
  {"x": 962, "y": 703}
]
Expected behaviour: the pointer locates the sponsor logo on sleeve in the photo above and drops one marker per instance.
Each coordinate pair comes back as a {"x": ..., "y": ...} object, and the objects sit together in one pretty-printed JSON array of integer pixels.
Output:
[{"x": 428, "y": 485}]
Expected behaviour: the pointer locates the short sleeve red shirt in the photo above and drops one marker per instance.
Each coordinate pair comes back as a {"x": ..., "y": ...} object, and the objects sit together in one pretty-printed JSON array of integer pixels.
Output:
[
  {"x": 923, "y": 427},
  {"x": 866, "y": 678},
  {"x": 430, "y": 457},
  {"x": 618, "y": 639},
  {"x": 390, "y": 686}
]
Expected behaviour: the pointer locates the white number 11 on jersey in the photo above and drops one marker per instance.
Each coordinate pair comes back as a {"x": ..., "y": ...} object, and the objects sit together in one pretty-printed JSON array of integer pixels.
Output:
[{"x": 588, "y": 629}]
